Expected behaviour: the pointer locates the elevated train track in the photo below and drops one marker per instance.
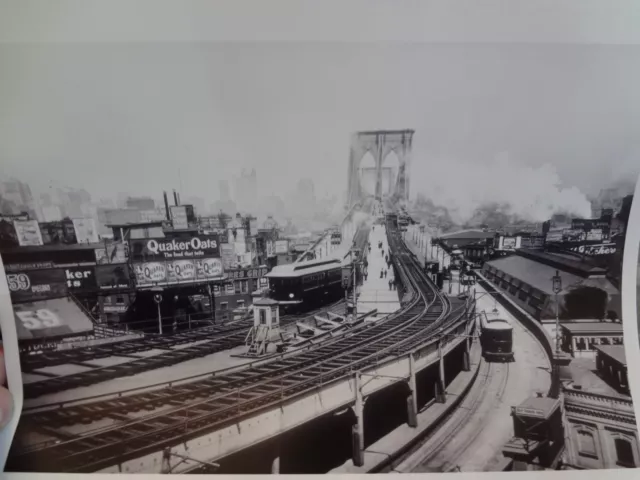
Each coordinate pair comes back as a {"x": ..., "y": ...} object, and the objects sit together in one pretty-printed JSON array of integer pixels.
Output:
[
  {"x": 191, "y": 410},
  {"x": 211, "y": 340}
]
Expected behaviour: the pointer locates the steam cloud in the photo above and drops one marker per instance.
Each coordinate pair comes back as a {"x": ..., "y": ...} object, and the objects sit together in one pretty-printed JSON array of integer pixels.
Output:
[{"x": 513, "y": 190}]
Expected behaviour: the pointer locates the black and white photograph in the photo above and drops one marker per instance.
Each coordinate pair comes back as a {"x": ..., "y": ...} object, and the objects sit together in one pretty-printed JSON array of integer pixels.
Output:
[{"x": 309, "y": 258}]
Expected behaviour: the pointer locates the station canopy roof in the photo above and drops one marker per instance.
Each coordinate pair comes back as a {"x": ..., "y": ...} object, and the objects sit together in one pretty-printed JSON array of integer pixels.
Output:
[
  {"x": 468, "y": 235},
  {"x": 596, "y": 328},
  {"x": 534, "y": 274},
  {"x": 51, "y": 319},
  {"x": 615, "y": 352}
]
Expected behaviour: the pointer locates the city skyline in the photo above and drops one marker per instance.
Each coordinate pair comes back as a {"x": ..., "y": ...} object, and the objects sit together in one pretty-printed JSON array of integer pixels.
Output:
[{"x": 287, "y": 111}]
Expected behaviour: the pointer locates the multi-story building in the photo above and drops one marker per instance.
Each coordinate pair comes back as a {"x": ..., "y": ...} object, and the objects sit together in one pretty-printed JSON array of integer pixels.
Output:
[{"x": 600, "y": 423}]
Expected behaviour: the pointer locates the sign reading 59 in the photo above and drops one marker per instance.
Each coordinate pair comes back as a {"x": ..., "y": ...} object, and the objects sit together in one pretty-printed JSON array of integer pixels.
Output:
[
  {"x": 18, "y": 281},
  {"x": 38, "y": 319}
]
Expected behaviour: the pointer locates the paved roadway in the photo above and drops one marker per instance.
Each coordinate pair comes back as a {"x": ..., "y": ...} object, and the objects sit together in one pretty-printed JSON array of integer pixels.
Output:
[{"x": 471, "y": 440}]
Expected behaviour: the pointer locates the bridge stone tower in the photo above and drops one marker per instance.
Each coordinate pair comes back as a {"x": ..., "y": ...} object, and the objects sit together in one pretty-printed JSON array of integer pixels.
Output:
[{"x": 380, "y": 144}]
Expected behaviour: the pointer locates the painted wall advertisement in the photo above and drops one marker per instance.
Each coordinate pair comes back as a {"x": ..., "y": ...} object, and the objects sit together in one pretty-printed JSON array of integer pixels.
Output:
[
  {"x": 85, "y": 229},
  {"x": 165, "y": 249},
  {"x": 177, "y": 271},
  {"x": 228, "y": 255},
  {"x": 28, "y": 232}
]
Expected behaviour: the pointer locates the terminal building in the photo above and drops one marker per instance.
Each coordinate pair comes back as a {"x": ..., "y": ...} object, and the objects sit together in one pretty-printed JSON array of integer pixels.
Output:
[{"x": 526, "y": 277}]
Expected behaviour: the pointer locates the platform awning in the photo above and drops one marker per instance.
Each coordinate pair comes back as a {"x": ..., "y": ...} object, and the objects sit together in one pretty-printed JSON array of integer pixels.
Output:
[{"x": 51, "y": 319}]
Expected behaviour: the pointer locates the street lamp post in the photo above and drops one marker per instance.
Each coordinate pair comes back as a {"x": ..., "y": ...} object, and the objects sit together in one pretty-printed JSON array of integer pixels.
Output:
[
  {"x": 555, "y": 380},
  {"x": 158, "y": 299}
]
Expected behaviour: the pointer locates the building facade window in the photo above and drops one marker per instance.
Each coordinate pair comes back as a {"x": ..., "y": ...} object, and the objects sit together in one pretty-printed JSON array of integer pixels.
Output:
[
  {"x": 229, "y": 288},
  {"x": 244, "y": 286},
  {"x": 224, "y": 306},
  {"x": 624, "y": 453},
  {"x": 263, "y": 317},
  {"x": 587, "y": 444},
  {"x": 240, "y": 303}
]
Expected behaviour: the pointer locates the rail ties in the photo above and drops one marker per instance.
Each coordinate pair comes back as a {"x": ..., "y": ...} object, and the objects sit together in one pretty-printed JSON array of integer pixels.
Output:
[{"x": 214, "y": 402}]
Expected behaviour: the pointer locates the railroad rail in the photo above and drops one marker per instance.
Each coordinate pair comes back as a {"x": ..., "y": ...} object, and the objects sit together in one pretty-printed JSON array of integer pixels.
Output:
[
  {"x": 209, "y": 341},
  {"x": 194, "y": 409}
]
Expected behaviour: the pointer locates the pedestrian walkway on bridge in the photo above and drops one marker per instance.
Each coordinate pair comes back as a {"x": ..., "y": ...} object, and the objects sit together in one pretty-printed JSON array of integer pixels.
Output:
[{"x": 375, "y": 292}]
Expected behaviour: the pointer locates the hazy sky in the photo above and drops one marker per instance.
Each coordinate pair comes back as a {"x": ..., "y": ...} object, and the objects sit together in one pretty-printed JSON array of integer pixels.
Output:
[{"x": 120, "y": 117}]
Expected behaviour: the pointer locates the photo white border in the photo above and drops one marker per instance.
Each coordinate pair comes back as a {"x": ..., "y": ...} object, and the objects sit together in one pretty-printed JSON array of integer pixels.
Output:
[{"x": 611, "y": 22}]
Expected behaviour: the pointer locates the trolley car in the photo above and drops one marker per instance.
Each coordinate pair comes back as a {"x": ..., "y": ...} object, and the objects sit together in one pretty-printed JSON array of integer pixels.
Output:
[
  {"x": 301, "y": 286},
  {"x": 496, "y": 339}
]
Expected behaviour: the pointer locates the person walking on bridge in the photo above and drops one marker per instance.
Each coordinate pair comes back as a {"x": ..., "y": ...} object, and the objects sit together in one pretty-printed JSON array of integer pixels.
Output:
[
  {"x": 385, "y": 274},
  {"x": 390, "y": 284}
]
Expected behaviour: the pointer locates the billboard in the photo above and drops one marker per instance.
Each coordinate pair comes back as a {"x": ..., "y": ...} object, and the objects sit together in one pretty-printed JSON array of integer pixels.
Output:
[
  {"x": 112, "y": 253},
  {"x": 109, "y": 277},
  {"x": 173, "y": 249},
  {"x": 28, "y": 232},
  {"x": 509, "y": 243},
  {"x": 85, "y": 229},
  {"x": 37, "y": 284},
  {"x": 270, "y": 249},
  {"x": 179, "y": 217},
  {"x": 80, "y": 279},
  {"x": 247, "y": 273},
  {"x": 59, "y": 317},
  {"x": 587, "y": 224},
  {"x": 282, "y": 246},
  {"x": 177, "y": 271},
  {"x": 595, "y": 250}
]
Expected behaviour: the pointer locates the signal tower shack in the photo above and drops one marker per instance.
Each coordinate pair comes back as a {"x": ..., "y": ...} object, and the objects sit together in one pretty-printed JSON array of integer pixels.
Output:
[
  {"x": 538, "y": 440},
  {"x": 265, "y": 333}
]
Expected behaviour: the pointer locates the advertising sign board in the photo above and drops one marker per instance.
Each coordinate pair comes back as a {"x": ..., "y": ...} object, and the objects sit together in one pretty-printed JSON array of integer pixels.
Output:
[
  {"x": 85, "y": 229},
  {"x": 587, "y": 224},
  {"x": 37, "y": 284},
  {"x": 112, "y": 253},
  {"x": 247, "y": 273},
  {"x": 179, "y": 217},
  {"x": 177, "y": 271},
  {"x": 109, "y": 277},
  {"x": 80, "y": 278},
  {"x": 28, "y": 232},
  {"x": 228, "y": 255},
  {"x": 509, "y": 243},
  {"x": 596, "y": 250},
  {"x": 282, "y": 246},
  {"x": 165, "y": 248}
]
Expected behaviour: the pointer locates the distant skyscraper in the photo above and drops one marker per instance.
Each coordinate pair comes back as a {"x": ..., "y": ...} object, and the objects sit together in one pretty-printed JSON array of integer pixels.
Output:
[
  {"x": 224, "y": 191},
  {"x": 246, "y": 188}
]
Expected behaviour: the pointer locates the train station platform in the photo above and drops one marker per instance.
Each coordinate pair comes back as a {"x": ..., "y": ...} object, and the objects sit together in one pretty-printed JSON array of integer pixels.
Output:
[{"x": 374, "y": 293}]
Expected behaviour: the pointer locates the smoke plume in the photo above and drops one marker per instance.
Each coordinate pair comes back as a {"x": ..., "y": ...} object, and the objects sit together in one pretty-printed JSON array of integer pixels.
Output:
[{"x": 501, "y": 190}]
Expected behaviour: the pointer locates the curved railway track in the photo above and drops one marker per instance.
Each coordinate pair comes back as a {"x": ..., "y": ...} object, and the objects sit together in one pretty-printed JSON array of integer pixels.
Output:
[
  {"x": 194, "y": 409},
  {"x": 209, "y": 341}
]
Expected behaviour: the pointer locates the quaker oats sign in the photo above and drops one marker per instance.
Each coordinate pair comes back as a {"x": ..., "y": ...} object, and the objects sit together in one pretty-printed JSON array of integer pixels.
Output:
[
  {"x": 181, "y": 271},
  {"x": 150, "y": 273},
  {"x": 209, "y": 268},
  {"x": 177, "y": 271},
  {"x": 182, "y": 248}
]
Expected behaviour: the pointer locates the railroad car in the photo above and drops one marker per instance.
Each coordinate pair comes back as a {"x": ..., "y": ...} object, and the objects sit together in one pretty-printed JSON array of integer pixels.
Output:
[
  {"x": 496, "y": 339},
  {"x": 304, "y": 285}
]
